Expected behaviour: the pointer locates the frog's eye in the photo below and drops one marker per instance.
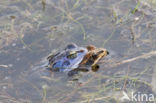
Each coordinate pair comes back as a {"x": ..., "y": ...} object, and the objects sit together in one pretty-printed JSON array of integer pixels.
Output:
[{"x": 72, "y": 55}]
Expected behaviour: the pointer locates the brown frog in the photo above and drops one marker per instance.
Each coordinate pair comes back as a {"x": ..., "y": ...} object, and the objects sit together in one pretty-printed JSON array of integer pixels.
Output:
[
  {"x": 90, "y": 60},
  {"x": 73, "y": 59}
]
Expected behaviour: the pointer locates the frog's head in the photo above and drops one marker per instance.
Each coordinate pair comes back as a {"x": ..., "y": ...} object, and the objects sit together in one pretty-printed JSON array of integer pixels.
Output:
[
  {"x": 97, "y": 53},
  {"x": 94, "y": 55}
]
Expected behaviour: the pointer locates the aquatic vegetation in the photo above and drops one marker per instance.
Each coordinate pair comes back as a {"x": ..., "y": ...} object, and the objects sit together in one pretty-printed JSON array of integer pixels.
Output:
[{"x": 31, "y": 29}]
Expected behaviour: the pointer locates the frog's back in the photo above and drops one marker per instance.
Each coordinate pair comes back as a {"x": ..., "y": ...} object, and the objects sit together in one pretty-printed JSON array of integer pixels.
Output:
[{"x": 67, "y": 59}]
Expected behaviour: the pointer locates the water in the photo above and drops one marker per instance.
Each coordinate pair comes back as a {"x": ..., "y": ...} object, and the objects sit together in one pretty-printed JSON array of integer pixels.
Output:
[{"x": 31, "y": 30}]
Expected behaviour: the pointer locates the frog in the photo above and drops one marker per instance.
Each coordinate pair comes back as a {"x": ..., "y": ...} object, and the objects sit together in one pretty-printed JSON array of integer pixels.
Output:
[{"x": 75, "y": 58}]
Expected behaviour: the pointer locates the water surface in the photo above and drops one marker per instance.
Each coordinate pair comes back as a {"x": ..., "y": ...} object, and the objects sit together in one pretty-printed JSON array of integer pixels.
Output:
[{"x": 31, "y": 30}]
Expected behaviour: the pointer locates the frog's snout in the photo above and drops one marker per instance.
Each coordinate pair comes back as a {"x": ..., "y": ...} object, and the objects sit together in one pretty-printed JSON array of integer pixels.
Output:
[
  {"x": 107, "y": 52},
  {"x": 104, "y": 51}
]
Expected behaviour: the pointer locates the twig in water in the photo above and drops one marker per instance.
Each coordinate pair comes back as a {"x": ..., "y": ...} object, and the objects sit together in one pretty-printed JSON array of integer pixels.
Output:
[
  {"x": 4, "y": 66},
  {"x": 144, "y": 56}
]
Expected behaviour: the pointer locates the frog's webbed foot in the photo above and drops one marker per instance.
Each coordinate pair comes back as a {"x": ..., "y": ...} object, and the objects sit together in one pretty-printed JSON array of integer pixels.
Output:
[{"x": 76, "y": 70}]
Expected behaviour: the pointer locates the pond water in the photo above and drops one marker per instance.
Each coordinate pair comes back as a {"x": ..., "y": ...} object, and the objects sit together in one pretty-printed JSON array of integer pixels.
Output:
[{"x": 30, "y": 30}]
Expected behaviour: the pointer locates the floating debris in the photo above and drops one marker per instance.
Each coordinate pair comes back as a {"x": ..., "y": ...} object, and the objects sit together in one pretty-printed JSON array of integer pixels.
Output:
[{"x": 4, "y": 66}]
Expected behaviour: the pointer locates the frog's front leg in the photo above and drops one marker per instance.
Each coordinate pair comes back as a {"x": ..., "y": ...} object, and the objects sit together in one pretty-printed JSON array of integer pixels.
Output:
[{"x": 85, "y": 59}]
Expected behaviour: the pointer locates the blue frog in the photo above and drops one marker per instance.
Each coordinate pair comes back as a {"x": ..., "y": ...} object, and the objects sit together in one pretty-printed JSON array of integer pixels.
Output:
[{"x": 74, "y": 58}]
